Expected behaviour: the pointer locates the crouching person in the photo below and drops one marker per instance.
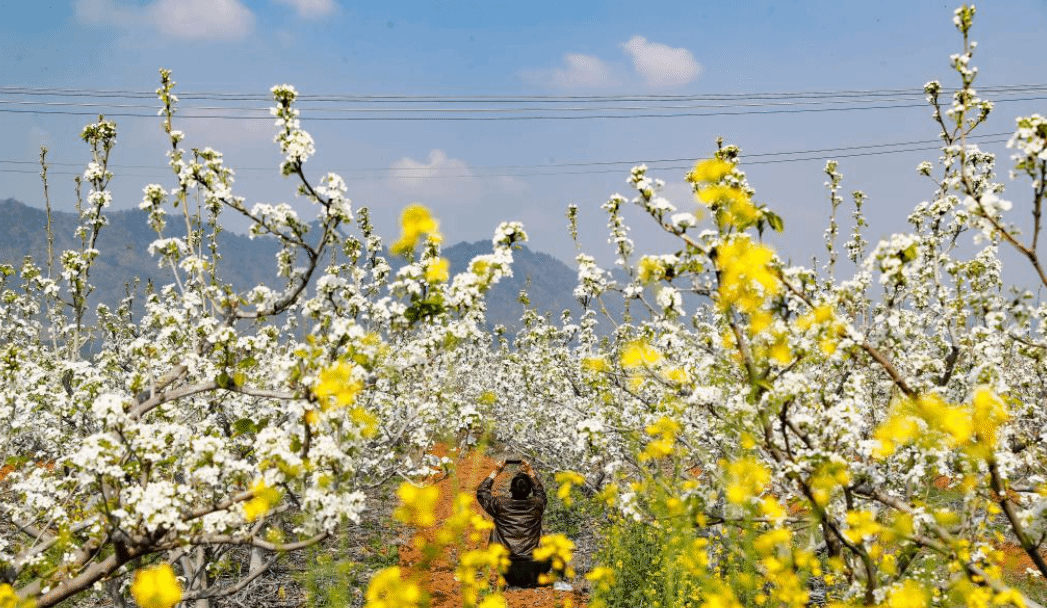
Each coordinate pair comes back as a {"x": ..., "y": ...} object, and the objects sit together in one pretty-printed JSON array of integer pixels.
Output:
[{"x": 517, "y": 523}]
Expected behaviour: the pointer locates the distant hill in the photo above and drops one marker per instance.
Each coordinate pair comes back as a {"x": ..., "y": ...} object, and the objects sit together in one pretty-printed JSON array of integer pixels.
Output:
[
  {"x": 124, "y": 248},
  {"x": 245, "y": 262}
]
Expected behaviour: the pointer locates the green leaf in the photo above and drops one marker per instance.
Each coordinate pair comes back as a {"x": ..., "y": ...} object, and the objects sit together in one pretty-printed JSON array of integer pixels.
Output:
[
  {"x": 774, "y": 221},
  {"x": 244, "y": 426}
]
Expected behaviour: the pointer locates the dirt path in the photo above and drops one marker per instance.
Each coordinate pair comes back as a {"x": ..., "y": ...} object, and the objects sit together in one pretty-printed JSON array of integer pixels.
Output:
[{"x": 443, "y": 589}]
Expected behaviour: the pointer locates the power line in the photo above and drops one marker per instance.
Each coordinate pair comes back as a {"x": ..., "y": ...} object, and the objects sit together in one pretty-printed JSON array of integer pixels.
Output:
[
  {"x": 265, "y": 110},
  {"x": 414, "y": 98},
  {"x": 505, "y": 118},
  {"x": 566, "y": 163},
  {"x": 870, "y": 150}
]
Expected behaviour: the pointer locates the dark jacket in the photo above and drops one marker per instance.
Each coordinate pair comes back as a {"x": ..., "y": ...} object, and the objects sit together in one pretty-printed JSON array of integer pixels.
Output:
[{"x": 517, "y": 523}]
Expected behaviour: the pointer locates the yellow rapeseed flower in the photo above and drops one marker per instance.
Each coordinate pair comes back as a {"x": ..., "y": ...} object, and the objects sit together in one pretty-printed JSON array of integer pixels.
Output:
[
  {"x": 650, "y": 269},
  {"x": 861, "y": 525},
  {"x": 265, "y": 498},
  {"x": 746, "y": 478},
  {"x": 909, "y": 594},
  {"x": 639, "y": 353},
  {"x": 414, "y": 222},
  {"x": 772, "y": 509},
  {"x": 557, "y": 548},
  {"x": 567, "y": 480},
  {"x": 338, "y": 385},
  {"x": 437, "y": 270},
  {"x": 722, "y": 597},
  {"x": 9, "y": 598},
  {"x": 417, "y": 505},
  {"x": 710, "y": 170},
  {"x": 746, "y": 277},
  {"x": 739, "y": 210},
  {"x": 595, "y": 364},
  {"x": 388, "y": 590},
  {"x": 495, "y": 600},
  {"x": 987, "y": 416},
  {"x": 156, "y": 587},
  {"x": 826, "y": 478},
  {"x": 780, "y": 351},
  {"x": 602, "y": 577},
  {"x": 759, "y": 321},
  {"x": 897, "y": 430},
  {"x": 665, "y": 431},
  {"x": 971, "y": 427}
]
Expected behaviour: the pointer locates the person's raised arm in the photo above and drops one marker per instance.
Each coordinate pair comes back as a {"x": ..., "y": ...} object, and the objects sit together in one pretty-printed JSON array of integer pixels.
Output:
[
  {"x": 539, "y": 489},
  {"x": 483, "y": 491}
]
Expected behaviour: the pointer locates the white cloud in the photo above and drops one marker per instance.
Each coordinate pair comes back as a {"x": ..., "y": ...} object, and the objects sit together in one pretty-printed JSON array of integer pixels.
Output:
[
  {"x": 660, "y": 65},
  {"x": 439, "y": 176},
  {"x": 311, "y": 9},
  {"x": 102, "y": 12},
  {"x": 179, "y": 19},
  {"x": 202, "y": 19},
  {"x": 578, "y": 71}
]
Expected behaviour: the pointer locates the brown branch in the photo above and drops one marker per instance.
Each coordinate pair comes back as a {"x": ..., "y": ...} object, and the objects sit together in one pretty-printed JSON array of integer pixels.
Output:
[{"x": 998, "y": 487}]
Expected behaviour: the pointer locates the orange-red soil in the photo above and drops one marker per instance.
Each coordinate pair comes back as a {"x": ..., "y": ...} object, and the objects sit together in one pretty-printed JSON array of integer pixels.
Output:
[{"x": 444, "y": 591}]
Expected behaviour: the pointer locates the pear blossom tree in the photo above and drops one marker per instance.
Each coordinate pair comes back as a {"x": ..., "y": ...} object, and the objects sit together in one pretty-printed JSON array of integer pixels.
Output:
[
  {"x": 870, "y": 440},
  {"x": 799, "y": 435},
  {"x": 222, "y": 419}
]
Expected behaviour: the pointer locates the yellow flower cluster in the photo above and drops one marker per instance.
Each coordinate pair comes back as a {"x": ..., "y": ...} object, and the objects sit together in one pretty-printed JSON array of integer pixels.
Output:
[
  {"x": 971, "y": 427},
  {"x": 664, "y": 432},
  {"x": 475, "y": 567},
  {"x": 9, "y": 598},
  {"x": 827, "y": 478},
  {"x": 559, "y": 549},
  {"x": 596, "y": 364},
  {"x": 746, "y": 278},
  {"x": 772, "y": 509},
  {"x": 746, "y": 478},
  {"x": 265, "y": 498},
  {"x": 823, "y": 320},
  {"x": 338, "y": 387},
  {"x": 781, "y": 563},
  {"x": 734, "y": 202},
  {"x": 738, "y": 209},
  {"x": 417, "y": 504},
  {"x": 463, "y": 519},
  {"x": 437, "y": 270},
  {"x": 601, "y": 577},
  {"x": 638, "y": 353},
  {"x": 709, "y": 171},
  {"x": 473, "y": 571},
  {"x": 861, "y": 525},
  {"x": 389, "y": 590},
  {"x": 650, "y": 269},
  {"x": 908, "y": 594},
  {"x": 567, "y": 480},
  {"x": 696, "y": 558},
  {"x": 156, "y": 587},
  {"x": 414, "y": 222},
  {"x": 721, "y": 597}
]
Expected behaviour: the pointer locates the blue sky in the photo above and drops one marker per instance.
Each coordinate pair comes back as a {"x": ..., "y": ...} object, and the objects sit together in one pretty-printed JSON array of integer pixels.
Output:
[{"x": 492, "y": 170}]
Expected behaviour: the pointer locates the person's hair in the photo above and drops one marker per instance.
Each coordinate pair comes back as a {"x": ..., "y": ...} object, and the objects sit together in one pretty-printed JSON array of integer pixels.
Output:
[{"x": 521, "y": 486}]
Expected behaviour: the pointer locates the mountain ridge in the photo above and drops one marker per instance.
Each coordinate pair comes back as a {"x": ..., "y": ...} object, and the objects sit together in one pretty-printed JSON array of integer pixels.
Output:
[{"x": 245, "y": 262}]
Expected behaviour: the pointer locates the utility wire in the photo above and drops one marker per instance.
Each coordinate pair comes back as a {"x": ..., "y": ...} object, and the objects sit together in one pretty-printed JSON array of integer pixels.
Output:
[
  {"x": 266, "y": 111},
  {"x": 567, "y": 163},
  {"x": 116, "y": 93},
  {"x": 507, "y": 118},
  {"x": 764, "y": 161}
]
